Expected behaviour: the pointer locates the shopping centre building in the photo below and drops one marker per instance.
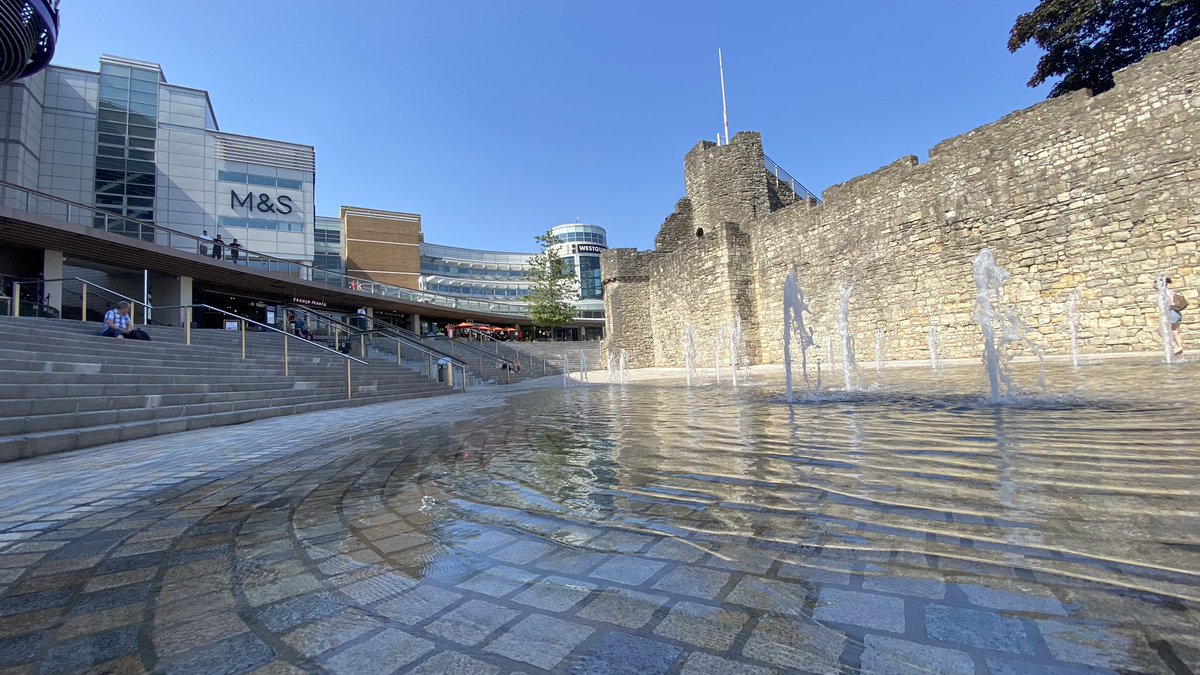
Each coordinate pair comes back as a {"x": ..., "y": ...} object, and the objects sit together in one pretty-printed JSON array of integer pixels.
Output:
[{"x": 122, "y": 151}]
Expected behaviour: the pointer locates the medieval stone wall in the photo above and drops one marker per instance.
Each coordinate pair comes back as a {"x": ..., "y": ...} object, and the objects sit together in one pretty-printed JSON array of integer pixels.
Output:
[{"x": 1096, "y": 195}]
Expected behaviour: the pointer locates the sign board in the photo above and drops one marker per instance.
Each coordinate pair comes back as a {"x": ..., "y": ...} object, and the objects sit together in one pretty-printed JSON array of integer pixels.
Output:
[
  {"x": 231, "y": 324},
  {"x": 591, "y": 248},
  {"x": 306, "y": 301}
]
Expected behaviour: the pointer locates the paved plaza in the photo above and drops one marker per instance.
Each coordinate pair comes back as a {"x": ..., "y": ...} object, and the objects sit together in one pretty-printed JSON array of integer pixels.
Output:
[{"x": 306, "y": 544}]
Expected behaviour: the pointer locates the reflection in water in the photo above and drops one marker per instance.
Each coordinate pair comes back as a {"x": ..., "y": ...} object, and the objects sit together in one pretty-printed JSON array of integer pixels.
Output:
[{"x": 1077, "y": 506}]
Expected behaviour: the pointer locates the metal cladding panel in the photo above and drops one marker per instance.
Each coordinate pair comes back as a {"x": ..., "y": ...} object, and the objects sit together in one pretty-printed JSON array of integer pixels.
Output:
[{"x": 265, "y": 152}]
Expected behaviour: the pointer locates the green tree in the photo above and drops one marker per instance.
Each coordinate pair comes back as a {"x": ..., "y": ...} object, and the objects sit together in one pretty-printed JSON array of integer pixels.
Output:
[
  {"x": 1086, "y": 41},
  {"x": 552, "y": 292}
]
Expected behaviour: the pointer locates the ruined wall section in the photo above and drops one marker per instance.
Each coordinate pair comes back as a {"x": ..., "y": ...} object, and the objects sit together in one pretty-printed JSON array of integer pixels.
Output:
[
  {"x": 727, "y": 183},
  {"x": 628, "y": 324},
  {"x": 676, "y": 229},
  {"x": 1090, "y": 194},
  {"x": 705, "y": 283}
]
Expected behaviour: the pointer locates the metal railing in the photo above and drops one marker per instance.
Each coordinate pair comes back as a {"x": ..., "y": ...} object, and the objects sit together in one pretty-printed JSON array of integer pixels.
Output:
[
  {"x": 784, "y": 178},
  {"x": 426, "y": 360},
  {"x": 85, "y": 286},
  {"x": 35, "y": 201}
]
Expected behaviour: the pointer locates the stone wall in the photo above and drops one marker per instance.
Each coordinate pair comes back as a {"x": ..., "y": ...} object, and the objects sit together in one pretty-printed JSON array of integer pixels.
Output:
[{"x": 1095, "y": 195}]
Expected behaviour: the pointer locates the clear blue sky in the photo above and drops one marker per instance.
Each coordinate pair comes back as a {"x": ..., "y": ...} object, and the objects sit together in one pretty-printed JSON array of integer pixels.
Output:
[{"x": 496, "y": 120}]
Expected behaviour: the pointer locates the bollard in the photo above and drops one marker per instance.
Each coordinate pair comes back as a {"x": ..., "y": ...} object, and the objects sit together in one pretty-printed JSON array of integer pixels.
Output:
[
  {"x": 348, "y": 396},
  {"x": 187, "y": 331},
  {"x": 83, "y": 304},
  {"x": 242, "y": 330},
  {"x": 285, "y": 355},
  {"x": 16, "y": 299}
]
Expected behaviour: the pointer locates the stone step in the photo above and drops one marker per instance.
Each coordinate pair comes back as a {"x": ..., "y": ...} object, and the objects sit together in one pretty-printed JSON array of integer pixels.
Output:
[{"x": 64, "y": 440}]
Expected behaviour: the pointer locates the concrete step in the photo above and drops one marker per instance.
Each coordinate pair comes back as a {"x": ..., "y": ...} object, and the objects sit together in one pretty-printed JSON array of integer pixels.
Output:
[{"x": 64, "y": 440}]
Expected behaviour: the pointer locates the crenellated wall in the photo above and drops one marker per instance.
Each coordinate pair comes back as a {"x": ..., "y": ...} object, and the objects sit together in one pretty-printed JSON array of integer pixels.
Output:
[{"x": 1095, "y": 195}]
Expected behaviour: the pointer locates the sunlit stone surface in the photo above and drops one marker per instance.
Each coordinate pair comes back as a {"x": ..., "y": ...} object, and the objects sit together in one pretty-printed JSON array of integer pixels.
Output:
[{"x": 907, "y": 527}]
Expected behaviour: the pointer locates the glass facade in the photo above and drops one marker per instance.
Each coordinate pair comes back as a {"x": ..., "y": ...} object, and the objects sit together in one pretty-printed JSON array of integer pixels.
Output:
[
  {"x": 126, "y": 129},
  {"x": 589, "y": 277}
]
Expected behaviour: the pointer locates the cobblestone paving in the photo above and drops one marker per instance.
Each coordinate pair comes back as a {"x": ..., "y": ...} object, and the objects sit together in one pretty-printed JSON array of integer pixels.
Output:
[{"x": 306, "y": 544}]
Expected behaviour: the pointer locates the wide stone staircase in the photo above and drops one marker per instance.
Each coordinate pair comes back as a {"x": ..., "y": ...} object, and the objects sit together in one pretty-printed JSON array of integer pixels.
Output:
[
  {"x": 552, "y": 353},
  {"x": 486, "y": 359},
  {"x": 63, "y": 387}
]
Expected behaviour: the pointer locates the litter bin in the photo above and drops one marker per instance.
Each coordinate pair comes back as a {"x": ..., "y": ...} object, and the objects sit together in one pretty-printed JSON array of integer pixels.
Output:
[{"x": 441, "y": 364}]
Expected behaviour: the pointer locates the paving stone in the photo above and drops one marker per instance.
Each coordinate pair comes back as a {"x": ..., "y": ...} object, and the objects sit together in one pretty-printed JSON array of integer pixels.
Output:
[
  {"x": 94, "y": 650},
  {"x": 418, "y": 604},
  {"x": 813, "y": 574},
  {"x": 892, "y": 656},
  {"x": 321, "y": 636},
  {"x": 569, "y": 561},
  {"x": 554, "y": 594},
  {"x": 183, "y": 637},
  {"x": 675, "y": 549},
  {"x": 498, "y": 581},
  {"x": 384, "y": 653},
  {"x": 986, "y": 630},
  {"x": 485, "y": 541},
  {"x": 237, "y": 655},
  {"x": 30, "y": 602},
  {"x": 522, "y": 552},
  {"x": 78, "y": 625},
  {"x": 795, "y": 642},
  {"x": 620, "y": 653},
  {"x": 705, "y": 626},
  {"x": 868, "y": 610},
  {"x": 539, "y": 640},
  {"x": 933, "y": 589},
  {"x": 623, "y": 607},
  {"x": 622, "y": 542},
  {"x": 17, "y": 650},
  {"x": 447, "y": 663},
  {"x": 770, "y": 595},
  {"x": 472, "y": 622},
  {"x": 1032, "y": 599},
  {"x": 376, "y": 588},
  {"x": 284, "y": 616},
  {"x": 694, "y": 581},
  {"x": 700, "y": 663},
  {"x": 1103, "y": 647},
  {"x": 627, "y": 570},
  {"x": 1012, "y": 666}
]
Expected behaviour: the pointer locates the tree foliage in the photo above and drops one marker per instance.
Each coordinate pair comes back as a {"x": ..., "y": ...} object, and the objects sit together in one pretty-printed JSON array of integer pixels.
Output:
[
  {"x": 1086, "y": 41},
  {"x": 552, "y": 292}
]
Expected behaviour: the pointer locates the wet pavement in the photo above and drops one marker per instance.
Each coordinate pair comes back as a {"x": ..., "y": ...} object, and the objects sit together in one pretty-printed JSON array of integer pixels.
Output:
[{"x": 647, "y": 528}]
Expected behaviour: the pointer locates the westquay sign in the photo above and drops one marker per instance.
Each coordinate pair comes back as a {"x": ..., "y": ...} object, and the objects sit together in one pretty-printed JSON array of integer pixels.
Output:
[{"x": 261, "y": 202}]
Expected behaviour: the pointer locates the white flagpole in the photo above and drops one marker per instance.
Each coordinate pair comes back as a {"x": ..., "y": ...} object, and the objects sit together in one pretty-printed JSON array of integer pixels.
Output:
[{"x": 724, "y": 111}]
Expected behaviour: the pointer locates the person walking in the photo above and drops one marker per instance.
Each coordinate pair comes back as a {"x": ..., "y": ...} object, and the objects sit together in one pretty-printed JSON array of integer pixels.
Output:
[
  {"x": 205, "y": 242},
  {"x": 218, "y": 248},
  {"x": 235, "y": 250},
  {"x": 1176, "y": 303}
]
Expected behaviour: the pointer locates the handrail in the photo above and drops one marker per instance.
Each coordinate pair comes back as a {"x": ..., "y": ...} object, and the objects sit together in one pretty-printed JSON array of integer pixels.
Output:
[
  {"x": 261, "y": 325},
  {"x": 415, "y": 336},
  {"x": 314, "y": 273},
  {"x": 17, "y": 283},
  {"x": 782, "y": 176},
  {"x": 345, "y": 280},
  {"x": 352, "y": 330}
]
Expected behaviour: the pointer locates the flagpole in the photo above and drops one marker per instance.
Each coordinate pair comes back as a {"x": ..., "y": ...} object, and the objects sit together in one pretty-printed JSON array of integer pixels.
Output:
[{"x": 724, "y": 110}]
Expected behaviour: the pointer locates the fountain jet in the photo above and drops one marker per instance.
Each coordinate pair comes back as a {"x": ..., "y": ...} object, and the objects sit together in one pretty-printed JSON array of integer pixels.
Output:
[{"x": 793, "y": 322}]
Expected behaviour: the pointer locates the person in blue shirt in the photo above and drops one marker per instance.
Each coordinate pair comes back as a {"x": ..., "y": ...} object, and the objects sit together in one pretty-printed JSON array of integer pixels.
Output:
[{"x": 118, "y": 324}]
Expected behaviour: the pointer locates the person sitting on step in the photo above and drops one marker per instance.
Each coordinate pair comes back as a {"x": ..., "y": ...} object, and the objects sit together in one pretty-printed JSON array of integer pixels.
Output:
[{"x": 118, "y": 324}]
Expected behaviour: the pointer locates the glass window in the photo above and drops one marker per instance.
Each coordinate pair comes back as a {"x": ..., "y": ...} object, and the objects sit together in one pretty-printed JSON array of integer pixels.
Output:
[
  {"x": 144, "y": 87},
  {"x": 144, "y": 75},
  {"x": 231, "y": 176},
  {"x": 141, "y": 154},
  {"x": 114, "y": 69},
  {"x": 142, "y": 132},
  {"x": 289, "y": 183},
  {"x": 141, "y": 143},
  {"x": 260, "y": 180}
]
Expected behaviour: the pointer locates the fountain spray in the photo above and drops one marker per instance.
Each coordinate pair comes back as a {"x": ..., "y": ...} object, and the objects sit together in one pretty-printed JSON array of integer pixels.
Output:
[
  {"x": 1073, "y": 326},
  {"x": 566, "y": 368},
  {"x": 610, "y": 364},
  {"x": 849, "y": 366},
  {"x": 879, "y": 350},
  {"x": 793, "y": 322},
  {"x": 583, "y": 376},
  {"x": 990, "y": 314},
  {"x": 717, "y": 342},
  {"x": 933, "y": 347},
  {"x": 1164, "y": 317},
  {"x": 689, "y": 352},
  {"x": 624, "y": 376},
  {"x": 735, "y": 348}
]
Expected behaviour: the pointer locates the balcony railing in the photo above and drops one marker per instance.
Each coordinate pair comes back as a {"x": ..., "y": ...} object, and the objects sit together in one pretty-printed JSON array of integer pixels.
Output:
[
  {"x": 783, "y": 177},
  {"x": 33, "y": 201}
]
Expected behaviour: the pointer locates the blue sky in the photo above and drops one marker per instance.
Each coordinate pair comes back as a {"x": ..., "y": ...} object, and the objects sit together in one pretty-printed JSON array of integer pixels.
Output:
[{"x": 497, "y": 119}]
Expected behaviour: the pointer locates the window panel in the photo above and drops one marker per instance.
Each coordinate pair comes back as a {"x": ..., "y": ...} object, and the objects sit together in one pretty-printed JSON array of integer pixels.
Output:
[
  {"x": 141, "y": 143},
  {"x": 144, "y": 86},
  {"x": 142, "y": 132},
  {"x": 144, "y": 75},
  {"x": 261, "y": 180}
]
